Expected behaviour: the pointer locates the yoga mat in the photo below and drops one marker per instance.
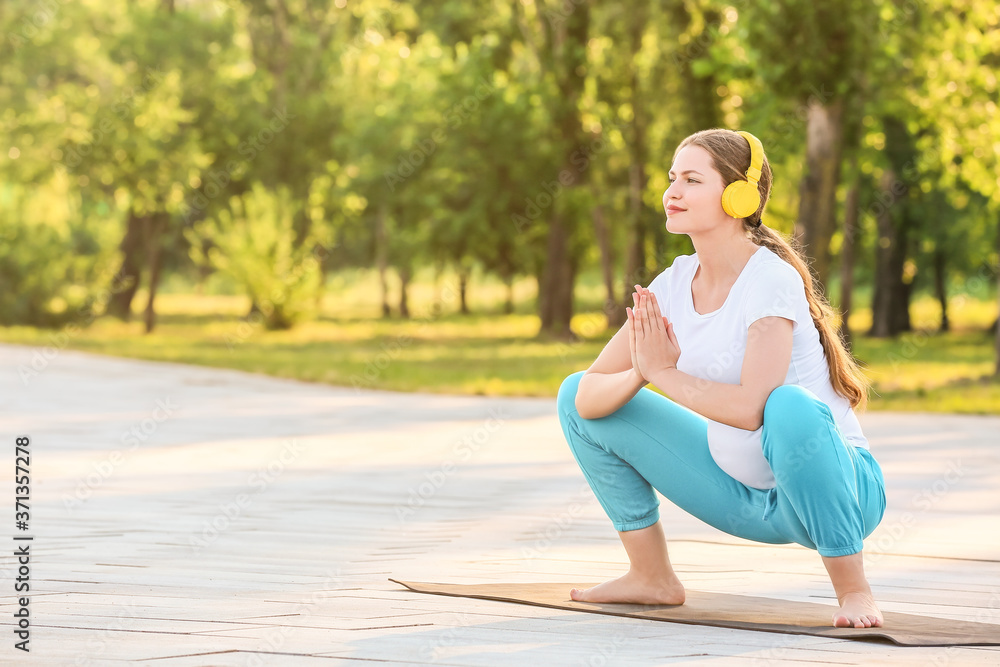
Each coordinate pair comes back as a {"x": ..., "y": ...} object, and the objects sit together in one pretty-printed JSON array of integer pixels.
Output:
[{"x": 742, "y": 612}]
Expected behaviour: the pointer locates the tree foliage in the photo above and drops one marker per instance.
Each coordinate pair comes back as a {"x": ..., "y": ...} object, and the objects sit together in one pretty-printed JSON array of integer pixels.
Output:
[{"x": 526, "y": 138}]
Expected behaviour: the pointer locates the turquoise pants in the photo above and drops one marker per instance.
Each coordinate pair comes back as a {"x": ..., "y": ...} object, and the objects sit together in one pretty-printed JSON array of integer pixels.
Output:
[{"x": 830, "y": 495}]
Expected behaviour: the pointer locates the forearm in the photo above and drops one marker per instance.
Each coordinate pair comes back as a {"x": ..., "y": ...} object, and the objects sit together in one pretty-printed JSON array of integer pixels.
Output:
[
  {"x": 600, "y": 394},
  {"x": 732, "y": 404}
]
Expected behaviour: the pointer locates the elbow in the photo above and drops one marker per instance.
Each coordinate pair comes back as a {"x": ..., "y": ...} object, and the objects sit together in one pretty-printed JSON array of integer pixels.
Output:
[
  {"x": 751, "y": 418},
  {"x": 753, "y": 421},
  {"x": 584, "y": 406},
  {"x": 754, "y": 399},
  {"x": 590, "y": 413}
]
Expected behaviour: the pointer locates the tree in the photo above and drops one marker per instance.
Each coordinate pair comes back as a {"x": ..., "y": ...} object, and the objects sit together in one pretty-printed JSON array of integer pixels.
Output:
[
  {"x": 563, "y": 58},
  {"x": 813, "y": 55},
  {"x": 964, "y": 100}
]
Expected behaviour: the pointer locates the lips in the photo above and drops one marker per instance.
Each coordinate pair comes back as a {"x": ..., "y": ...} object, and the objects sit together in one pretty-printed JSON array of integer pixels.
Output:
[{"x": 673, "y": 209}]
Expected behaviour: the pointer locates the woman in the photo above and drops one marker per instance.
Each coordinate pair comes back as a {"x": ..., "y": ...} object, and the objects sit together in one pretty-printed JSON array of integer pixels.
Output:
[{"x": 758, "y": 436}]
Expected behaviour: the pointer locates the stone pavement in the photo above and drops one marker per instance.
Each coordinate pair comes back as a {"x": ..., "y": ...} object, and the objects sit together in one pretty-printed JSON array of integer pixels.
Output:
[{"x": 193, "y": 516}]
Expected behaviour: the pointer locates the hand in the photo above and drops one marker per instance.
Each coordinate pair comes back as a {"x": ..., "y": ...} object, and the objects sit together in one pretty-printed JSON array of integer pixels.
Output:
[
  {"x": 631, "y": 337},
  {"x": 651, "y": 337}
]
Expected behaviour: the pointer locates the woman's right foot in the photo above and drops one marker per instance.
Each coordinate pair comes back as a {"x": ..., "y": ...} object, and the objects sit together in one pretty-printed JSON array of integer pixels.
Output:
[
  {"x": 857, "y": 605},
  {"x": 629, "y": 588},
  {"x": 857, "y": 610}
]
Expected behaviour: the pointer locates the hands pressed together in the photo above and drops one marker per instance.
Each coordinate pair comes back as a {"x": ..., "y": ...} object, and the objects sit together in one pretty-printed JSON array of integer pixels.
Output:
[{"x": 651, "y": 337}]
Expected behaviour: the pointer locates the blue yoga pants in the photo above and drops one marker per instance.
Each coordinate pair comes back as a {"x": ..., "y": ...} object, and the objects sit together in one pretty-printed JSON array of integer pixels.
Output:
[{"x": 829, "y": 494}]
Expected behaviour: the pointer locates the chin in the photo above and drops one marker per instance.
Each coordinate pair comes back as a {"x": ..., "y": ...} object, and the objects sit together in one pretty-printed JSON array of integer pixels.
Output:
[{"x": 676, "y": 227}]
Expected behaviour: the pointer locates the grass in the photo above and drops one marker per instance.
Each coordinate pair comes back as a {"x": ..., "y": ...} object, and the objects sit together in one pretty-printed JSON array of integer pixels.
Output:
[{"x": 490, "y": 353}]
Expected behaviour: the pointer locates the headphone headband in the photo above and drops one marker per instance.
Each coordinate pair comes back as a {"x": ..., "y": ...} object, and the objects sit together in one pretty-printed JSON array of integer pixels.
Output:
[{"x": 756, "y": 157}]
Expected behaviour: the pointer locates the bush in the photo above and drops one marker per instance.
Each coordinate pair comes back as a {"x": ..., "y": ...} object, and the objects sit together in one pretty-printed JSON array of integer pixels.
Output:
[
  {"x": 256, "y": 242},
  {"x": 57, "y": 251}
]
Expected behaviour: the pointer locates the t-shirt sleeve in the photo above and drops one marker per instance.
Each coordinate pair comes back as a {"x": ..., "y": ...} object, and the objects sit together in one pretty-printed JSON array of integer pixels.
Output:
[{"x": 776, "y": 291}]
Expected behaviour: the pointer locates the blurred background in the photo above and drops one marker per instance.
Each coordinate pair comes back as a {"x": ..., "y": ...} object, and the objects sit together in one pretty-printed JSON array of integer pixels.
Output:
[{"x": 456, "y": 195}]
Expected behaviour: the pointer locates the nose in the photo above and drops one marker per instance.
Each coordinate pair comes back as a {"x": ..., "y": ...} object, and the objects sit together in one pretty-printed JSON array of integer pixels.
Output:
[{"x": 671, "y": 192}]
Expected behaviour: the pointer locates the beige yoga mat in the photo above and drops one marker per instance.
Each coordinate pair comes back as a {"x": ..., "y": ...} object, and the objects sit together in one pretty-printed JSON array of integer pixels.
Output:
[{"x": 743, "y": 612}]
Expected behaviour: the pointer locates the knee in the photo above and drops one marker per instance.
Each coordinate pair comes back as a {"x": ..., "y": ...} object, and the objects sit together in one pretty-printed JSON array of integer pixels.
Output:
[
  {"x": 566, "y": 398},
  {"x": 791, "y": 400},
  {"x": 796, "y": 426}
]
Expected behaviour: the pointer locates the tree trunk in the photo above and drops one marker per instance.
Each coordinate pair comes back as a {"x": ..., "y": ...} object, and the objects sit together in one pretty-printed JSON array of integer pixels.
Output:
[
  {"x": 635, "y": 225},
  {"x": 601, "y": 231},
  {"x": 463, "y": 286},
  {"x": 204, "y": 272},
  {"x": 127, "y": 279},
  {"x": 382, "y": 255},
  {"x": 157, "y": 224},
  {"x": 899, "y": 303},
  {"x": 818, "y": 189},
  {"x": 508, "y": 306},
  {"x": 884, "y": 246},
  {"x": 701, "y": 99},
  {"x": 567, "y": 40},
  {"x": 405, "y": 274},
  {"x": 891, "y": 294},
  {"x": 940, "y": 290},
  {"x": 321, "y": 287},
  {"x": 851, "y": 230},
  {"x": 556, "y": 289}
]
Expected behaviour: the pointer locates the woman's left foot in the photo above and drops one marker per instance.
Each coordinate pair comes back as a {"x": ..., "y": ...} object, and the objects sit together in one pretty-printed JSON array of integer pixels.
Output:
[{"x": 857, "y": 610}]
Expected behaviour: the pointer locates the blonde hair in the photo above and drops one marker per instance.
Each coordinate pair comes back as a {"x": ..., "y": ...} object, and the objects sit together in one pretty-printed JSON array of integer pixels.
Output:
[{"x": 730, "y": 154}]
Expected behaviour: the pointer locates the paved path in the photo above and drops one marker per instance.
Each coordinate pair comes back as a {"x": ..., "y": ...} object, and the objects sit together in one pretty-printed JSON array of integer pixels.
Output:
[{"x": 192, "y": 516}]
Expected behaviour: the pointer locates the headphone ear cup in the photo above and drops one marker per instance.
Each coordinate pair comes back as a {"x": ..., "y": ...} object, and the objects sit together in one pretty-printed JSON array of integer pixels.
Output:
[{"x": 740, "y": 199}]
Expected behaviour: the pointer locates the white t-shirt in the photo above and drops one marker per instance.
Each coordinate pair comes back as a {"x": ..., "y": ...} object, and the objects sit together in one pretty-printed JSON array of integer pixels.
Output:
[{"x": 712, "y": 347}]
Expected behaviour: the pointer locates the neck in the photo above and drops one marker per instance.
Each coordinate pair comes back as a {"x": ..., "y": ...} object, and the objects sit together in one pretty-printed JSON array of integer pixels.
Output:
[{"x": 722, "y": 253}]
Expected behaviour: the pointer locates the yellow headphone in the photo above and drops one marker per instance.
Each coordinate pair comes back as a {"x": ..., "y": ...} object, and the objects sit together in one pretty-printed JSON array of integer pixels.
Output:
[{"x": 741, "y": 199}]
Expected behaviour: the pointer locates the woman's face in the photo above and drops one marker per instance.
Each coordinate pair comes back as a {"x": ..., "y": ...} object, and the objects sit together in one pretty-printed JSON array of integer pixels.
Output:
[{"x": 693, "y": 202}]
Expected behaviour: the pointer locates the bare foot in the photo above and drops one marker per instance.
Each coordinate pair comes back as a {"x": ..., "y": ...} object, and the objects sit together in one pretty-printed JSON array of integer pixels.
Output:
[
  {"x": 857, "y": 610},
  {"x": 633, "y": 589}
]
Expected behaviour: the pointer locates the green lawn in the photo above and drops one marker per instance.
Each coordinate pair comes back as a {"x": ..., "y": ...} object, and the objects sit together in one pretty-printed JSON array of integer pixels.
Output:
[{"x": 489, "y": 353}]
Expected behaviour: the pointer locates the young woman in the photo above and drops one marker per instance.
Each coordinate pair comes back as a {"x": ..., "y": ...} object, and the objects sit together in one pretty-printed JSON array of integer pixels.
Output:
[{"x": 758, "y": 436}]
